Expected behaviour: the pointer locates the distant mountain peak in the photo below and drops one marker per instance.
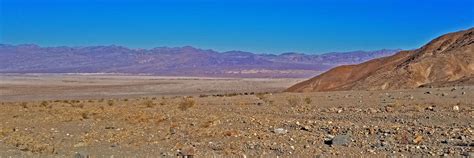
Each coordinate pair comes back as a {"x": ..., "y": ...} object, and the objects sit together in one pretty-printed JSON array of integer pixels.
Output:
[{"x": 176, "y": 61}]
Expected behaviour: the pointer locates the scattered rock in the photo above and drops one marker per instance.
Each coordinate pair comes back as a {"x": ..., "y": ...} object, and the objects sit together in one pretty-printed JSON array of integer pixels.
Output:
[
  {"x": 305, "y": 128},
  {"x": 372, "y": 110},
  {"x": 468, "y": 154},
  {"x": 81, "y": 144},
  {"x": 338, "y": 140},
  {"x": 455, "y": 108},
  {"x": 187, "y": 152},
  {"x": 430, "y": 108},
  {"x": 280, "y": 131},
  {"x": 80, "y": 155},
  {"x": 417, "y": 139}
]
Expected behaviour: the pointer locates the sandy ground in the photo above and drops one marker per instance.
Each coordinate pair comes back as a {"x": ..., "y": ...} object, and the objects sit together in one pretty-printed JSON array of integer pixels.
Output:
[
  {"x": 420, "y": 122},
  {"x": 14, "y": 87}
]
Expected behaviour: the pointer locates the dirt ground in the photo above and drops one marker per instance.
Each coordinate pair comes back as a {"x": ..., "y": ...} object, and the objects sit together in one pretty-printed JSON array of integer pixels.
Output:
[
  {"x": 419, "y": 122},
  {"x": 28, "y": 87}
]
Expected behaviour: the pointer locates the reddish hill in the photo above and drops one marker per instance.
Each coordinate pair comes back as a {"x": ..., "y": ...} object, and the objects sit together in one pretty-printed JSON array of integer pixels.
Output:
[{"x": 446, "y": 59}]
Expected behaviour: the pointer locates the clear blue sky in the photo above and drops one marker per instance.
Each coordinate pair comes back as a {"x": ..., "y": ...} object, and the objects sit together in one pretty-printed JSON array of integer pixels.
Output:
[{"x": 262, "y": 26}]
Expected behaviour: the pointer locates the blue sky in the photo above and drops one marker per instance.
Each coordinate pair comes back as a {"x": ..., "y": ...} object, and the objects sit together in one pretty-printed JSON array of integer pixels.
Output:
[{"x": 261, "y": 26}]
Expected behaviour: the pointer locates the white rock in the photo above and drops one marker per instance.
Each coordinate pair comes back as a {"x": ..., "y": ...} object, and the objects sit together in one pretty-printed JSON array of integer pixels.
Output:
[
  {"x": 456, "y": 108},
  {"x": 280, "y": 131}
]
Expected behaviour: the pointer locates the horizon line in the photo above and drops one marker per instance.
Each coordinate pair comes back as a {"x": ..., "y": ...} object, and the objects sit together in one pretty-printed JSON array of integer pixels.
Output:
[{"x": 199, "y": 48}]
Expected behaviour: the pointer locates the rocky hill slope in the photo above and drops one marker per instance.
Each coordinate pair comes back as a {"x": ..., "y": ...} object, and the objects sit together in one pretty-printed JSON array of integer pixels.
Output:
[{"x": 448, "y": 59}]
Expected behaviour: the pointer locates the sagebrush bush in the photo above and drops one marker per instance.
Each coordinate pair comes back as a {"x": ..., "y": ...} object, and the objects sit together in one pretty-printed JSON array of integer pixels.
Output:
[
  {"x": 308, "y": 100},
  {"x": 110, "y": 102},
  {"x": 24, "y": 104},
  {"x": 260, "y": 96},
  {"x": 44, "y": 104},
  {"x": 294, "y": 101},
  {"x": 186, "y": 103},
  {"x": 149, "y": 103}
]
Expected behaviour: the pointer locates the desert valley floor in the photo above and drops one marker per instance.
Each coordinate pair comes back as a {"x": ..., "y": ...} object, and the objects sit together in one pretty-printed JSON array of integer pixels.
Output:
[{"x": 147, "y": 116}]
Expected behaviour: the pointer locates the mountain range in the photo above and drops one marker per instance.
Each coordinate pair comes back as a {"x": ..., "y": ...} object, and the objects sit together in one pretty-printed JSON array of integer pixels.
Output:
[
  {"x": 177, "y": 61},
  {"x": 445, "y": 61}
]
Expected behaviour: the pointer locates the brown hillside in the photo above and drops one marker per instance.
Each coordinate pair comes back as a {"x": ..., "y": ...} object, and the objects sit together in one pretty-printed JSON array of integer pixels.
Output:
[{"x": 445, "y": 59}]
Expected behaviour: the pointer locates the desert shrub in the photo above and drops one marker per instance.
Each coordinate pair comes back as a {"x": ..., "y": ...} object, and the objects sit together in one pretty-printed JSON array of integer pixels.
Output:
[
  {"x": 294, "y": 101},
  {"x": 44, "y": 104},
  {"x": 110, "y": 102},
  {"x": 186, "y": 103},
  {"x": 308, "y": 100},
  {"x": 231, "y": 94},
  {"x": 163, "y": 102},
  {"x": 269, "y": 102},
  {"x": 149, "y": 103},
  {"x": 85, "y": 115},
  {"x": 24, "y": 104},
  {"x": 260, "y": 96},
  {"x": 76, "y": 105}
]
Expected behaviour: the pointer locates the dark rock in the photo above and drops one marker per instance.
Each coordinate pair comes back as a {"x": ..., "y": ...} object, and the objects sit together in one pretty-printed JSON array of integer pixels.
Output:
[{"x": 80, "y": 155}]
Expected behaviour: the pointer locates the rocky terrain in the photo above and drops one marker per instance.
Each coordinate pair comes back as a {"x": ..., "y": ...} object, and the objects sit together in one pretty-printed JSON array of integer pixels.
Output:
[
  {"x": 447, "y": 60},
  {"x": 426, "y": 122},
  {"x": 179, "y": 61}
]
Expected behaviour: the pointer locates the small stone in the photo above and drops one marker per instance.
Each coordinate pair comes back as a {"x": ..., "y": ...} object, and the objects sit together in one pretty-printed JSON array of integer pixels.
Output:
[
  {"x": 389, "y": 109},
  {"x": 468, "y": 154},
  {"x": 371, "y": 151},
  {"x": 280, "y": 131},
  {"x": 339, "y": 140},
  {"x": 428, "y": 92},
  {"x": 372, "y": 110},
  {"x": 81, "y": 144},
  {"x": 187, "y": 152},
  {"x": 80, "y": 155},
  {"x": 417, "y": 140},
  {"x": 462, "y": 93},
  {"x": 305, "y": 128},
  {"x": 430, "y": 108},
  {"x": 456, "y": 108}
]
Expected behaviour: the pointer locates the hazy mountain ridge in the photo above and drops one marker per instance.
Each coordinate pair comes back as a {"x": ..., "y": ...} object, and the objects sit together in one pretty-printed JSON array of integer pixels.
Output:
[{"x": 176, "y": 61}]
